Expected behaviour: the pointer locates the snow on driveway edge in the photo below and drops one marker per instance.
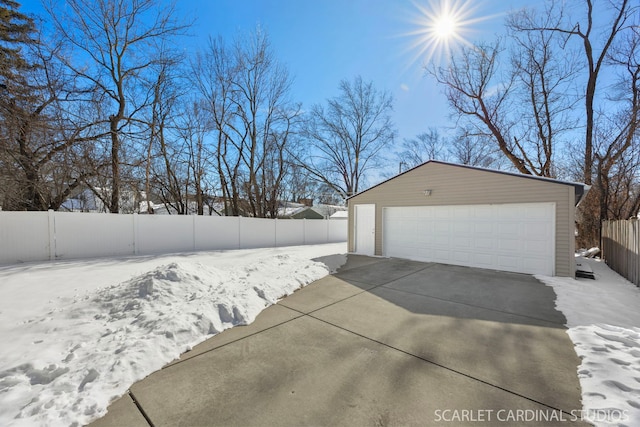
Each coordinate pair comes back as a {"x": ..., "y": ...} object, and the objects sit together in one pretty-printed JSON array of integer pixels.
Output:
[{"x": 604, "y": 324}]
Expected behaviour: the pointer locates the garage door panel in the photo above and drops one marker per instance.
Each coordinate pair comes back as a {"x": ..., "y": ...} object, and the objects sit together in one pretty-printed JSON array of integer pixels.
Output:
[
  {"x": 444, "y": 213},
  {"x": 509, "y": 245},
  {"x": 442, "y": 255},
  {"x": 461, "y": 242},
  {"x": 442, "y": 228},
  {"x": 422, "y": 252},
  {"x": 483, "y": 212},
  {"x": 425, "y": 212},
  {"x": 509, "y": 213},
  {"x": 534, "y": 264},
  {"x": 409, "y": 226},
  {"x": 533, "y": 246},
  {"x": 517, "y": 237},
  {"x": 483, "y": 228},
  {"x": 484, "y": 241},
  {"x": 482, "y": 260},
  {"x": 509, "y": 228},
  {"x": 462, "y": 257},
  {"x": 410, "y": 212},
  {"x": 534, "y": 229},
  {"x": 426, "y": 228},
  {"x": 404, "y": 252},
  {"x": 537, "y": 212},
  {"x": 462, "y": 212},
  {"x": 440, "y": 240},
  {"x": 507, "y": 262},
  {"x": 394, "y": 227},
  {"x": 463, "y": 227}
]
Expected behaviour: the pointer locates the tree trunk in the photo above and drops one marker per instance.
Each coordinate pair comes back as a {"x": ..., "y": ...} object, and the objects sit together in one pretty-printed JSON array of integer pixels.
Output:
[{"x": 115, "y": 165}]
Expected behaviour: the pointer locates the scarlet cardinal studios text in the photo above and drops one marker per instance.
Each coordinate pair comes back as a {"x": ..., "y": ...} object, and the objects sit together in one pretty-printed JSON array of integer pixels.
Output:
[{"x": 526, "y": 415}]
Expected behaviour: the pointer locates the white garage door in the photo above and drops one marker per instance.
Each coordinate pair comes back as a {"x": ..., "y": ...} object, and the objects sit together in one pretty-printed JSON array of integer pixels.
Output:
[{"x": 510, "y": 237}]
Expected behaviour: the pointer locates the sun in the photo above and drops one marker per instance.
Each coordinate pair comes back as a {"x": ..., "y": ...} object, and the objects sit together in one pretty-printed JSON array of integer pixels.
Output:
[
  {"x": 445, "y": 27},
  {"x": 441, "y": 27}
]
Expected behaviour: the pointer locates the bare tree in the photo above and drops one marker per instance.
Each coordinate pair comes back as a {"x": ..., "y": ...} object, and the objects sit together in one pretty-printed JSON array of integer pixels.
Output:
[
  {"x": 425, "y": 146},
  {"x": 299, "y": 184},
  {"x": 193, "y": 128},
  {"x": 246, "y": 92},
  {"x": 544, "y": 80},
  {"x": 522, "y": 107},
  {"x": 265, "y": 117},
  {"x": 479, "y": 92},
  {"x": 347, "y": 137},
  {"x": 595, "y": 46},
  {"x": 170, "y": 175},
  {"x": 117, "y": 40},
  {"x": 212, "y": 74},
  {"x": 614, "y": 152},
  {"x": 474, "y": 149}
]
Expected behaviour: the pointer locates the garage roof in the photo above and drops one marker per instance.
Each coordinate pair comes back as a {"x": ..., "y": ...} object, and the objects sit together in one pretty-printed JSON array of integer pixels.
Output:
[{"x": 580, "y": 189}]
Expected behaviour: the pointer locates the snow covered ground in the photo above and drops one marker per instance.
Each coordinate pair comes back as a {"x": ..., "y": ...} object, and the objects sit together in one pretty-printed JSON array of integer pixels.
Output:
[
  {"x": 603, "y": 317},
  {"x": 77, "y": 334}
]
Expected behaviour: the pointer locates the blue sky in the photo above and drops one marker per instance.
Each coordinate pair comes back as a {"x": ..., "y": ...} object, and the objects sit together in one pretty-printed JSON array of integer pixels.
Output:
[{"x": 325, "y": 41}]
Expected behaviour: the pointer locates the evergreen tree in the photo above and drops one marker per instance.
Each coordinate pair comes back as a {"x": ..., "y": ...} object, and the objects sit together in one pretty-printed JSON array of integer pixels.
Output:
[
  {"x": 18, "y": 183},
  {"x": 16, "y": 30}
]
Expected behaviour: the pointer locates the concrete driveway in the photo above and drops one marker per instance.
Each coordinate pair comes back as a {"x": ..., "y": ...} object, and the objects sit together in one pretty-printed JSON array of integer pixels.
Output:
[{"x": 382, "y": 342}]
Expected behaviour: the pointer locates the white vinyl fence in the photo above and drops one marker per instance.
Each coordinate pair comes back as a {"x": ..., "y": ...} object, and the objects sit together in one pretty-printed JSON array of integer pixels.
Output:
[{"x": 41, "y": 236}]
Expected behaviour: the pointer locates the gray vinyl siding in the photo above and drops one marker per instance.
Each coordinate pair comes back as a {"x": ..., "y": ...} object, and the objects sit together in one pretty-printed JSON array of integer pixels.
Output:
[{"x": 454, "y": 185}]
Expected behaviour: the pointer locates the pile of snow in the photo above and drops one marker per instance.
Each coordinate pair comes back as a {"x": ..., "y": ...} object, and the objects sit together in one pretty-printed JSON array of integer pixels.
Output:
[
  {"x": 603, "y": 317},
  {"x": 73, "y": 340}
]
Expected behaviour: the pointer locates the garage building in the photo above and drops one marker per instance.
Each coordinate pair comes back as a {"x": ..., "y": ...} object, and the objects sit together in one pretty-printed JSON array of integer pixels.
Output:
[{"x": 463, "y": 215}]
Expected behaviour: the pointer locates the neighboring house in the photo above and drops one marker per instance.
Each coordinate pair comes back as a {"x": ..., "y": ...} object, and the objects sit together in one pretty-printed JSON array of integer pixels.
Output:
[
  {"x": 327, "y": 210},
  {"x": 307, "y": 213},
  {"x": 303, "y": 211},
  {"x": 340, "y": 215},
  {"x": 84, "y": 201},
  {"x": 456, "y": 214},
  {"x": 87, "y": 201},
  {"x": 212, "y": 208},
  {"x": 287, "y": 209}
]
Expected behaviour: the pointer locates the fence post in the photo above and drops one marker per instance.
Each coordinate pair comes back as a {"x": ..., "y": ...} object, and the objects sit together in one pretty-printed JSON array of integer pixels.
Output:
[
  {"x": 52, "y": 234},
  {"x": 275, "y": 232},
  {"x": 326, "y": 221},
  {"x": 136, "y": 242},
  {"x": 304, "y": 231},
  {"x": 193, "y": 231}
]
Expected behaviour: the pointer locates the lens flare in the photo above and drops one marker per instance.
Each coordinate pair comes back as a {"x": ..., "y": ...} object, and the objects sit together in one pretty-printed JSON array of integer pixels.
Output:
[{"x": 441, "y": 27}]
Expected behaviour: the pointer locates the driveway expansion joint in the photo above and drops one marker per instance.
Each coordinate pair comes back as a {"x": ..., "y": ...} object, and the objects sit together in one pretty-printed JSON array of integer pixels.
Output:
[
  {"x": 373, "y": 285},
  {"x": 139, "y": 406},
  {"x": 566, "y": 413}
]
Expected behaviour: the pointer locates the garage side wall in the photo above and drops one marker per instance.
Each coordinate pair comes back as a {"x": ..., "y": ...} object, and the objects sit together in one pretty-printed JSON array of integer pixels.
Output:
[{"x": 454, "y": 185}]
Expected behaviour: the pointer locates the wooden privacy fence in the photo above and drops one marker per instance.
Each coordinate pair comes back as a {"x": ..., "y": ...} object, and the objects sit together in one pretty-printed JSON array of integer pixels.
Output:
[
  {"x": 621, "y": 248},
  {"x": 40, "y": 236}
]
